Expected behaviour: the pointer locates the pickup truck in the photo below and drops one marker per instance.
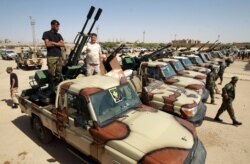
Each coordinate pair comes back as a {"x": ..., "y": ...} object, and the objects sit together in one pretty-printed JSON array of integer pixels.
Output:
[
  {"x": 180, "y": 70},
  {"x": 103, "y": 118},
  {"x": 188, "y": 65},
  {"x": 164, "y": 72}
]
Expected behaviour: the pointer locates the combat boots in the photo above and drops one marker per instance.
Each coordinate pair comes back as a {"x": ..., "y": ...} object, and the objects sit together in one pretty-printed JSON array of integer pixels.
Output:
[
  {"x": 236, "y": 123},
  {"x": 218, "y": 119}
]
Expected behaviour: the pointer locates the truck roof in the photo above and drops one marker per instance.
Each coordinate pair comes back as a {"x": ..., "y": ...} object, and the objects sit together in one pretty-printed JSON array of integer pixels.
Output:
[
  {"x": 96, "y": 81},
  {"x": 154, "y": 64},
  {"x": 180, "y": 57},
  {"x": 168, "y": 60}
]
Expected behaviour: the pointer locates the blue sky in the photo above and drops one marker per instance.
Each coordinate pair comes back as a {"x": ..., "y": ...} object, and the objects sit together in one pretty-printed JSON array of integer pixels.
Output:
[{"x": 162, "y": 20}]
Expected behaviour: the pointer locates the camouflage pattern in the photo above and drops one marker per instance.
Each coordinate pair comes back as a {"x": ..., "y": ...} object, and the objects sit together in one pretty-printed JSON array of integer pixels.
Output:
[
  {"x": 28, "y": 60},
  {"x": 228, "y": 94},
  {"x": 183, "y": 72},
  {"x": 221, "y": 71},
  {"x": 55, "y": 68},
  {"x": 192, "y": 67},
  {"x": 123, "y": 140},
  {"x": 210, "y": 83},
  {"x": 179, "y": 81}
]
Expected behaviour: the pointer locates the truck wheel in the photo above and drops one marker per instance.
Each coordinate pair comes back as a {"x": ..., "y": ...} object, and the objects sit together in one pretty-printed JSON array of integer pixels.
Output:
[
  {"x": 39, "y": 67},
  {"x": 42, "y": 133}
]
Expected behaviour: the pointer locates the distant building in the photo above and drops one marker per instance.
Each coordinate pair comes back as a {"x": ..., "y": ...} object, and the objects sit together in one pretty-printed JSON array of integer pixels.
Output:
[{"x": 185, "y": 42}]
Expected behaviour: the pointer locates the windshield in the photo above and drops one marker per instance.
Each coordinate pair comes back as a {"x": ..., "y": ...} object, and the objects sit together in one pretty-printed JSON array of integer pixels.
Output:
[
  {"x": 168, "y": 71},
  {"x": 8, "y": 52},
  {"x": 187, "y": 62},
  {"x": 112, "y": 103},
  {"x": 204, "y": 57},
  {"x": 178, "y": 66},
  {"x": 198, "y": 60}
]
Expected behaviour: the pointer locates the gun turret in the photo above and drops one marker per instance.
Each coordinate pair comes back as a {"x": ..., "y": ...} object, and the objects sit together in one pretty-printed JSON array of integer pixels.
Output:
[
  {"x": 71, "y": 69},
  {"x": 106, "y": 63},
  {"x": 202, "y": 46},
  {"x": 81, "y": 38},
  {"x": 155, "y": 53}
]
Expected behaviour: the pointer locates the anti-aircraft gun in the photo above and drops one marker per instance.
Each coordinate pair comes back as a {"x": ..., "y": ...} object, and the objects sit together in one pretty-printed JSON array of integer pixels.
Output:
[
  {"x": 210, "y": 48},
  {"x": 202, "y": 46},
  {"x": 129, "y": 62},
  {"x": 41, "y": 90}
]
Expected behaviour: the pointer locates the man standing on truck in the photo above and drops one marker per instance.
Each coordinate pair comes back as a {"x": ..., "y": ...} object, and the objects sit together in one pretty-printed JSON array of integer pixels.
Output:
[
  {"x": 13, "y": 86},
  {"x": 53, "y": 42},
  {"x": 93, "y": 55},
  {"x": 210, "y": 82},
  {"x": 228, "y": 95}
]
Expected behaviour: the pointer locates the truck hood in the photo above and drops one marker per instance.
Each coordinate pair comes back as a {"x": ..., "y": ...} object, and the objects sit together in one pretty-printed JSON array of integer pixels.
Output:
[
  {"x": 199, "y": 69},
  {"x": 151, "y": 131},
  {"x": 185, "y": 82},
  {"x": 193, "y": 74},
  {"x": 185, "y": 96}
]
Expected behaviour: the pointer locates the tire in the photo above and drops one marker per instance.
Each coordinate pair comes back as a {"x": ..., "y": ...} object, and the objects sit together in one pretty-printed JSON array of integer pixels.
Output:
[
  {"x": 43, "y": 134},
  {"x": 39, "y": 67}
]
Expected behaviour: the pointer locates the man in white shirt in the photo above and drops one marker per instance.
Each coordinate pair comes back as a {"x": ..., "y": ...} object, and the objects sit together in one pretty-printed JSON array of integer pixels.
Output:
[{"x": 93, "y": 55}]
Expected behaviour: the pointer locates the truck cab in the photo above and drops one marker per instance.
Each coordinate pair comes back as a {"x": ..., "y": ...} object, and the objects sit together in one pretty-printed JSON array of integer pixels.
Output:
[
  {"x": 180, "y": 70},
  {"x": 106, "y": 121},
  {"x": 165, "y": 72},
  {"x": 188, "y": 65}
]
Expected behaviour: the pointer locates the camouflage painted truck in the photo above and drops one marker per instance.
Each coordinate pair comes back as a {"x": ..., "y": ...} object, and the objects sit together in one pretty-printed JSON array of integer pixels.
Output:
[
  {"x": 164, "y": 72},
  {"x": 181, "y": 71},
  {"x": 180, "y": 102},
  {"x": 188, "y": 65},
  {"x": 197, "y": 61},
  {"x": 106, "y": 121},
  {"x": 28, "y": 59}
]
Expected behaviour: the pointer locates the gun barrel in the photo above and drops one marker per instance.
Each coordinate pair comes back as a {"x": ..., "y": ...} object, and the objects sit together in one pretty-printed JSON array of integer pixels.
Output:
[{"x": 81, "y": 39}]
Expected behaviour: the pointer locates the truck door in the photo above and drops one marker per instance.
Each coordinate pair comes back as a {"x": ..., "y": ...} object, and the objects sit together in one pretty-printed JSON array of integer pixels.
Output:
[{"x": 77, "y": 131}]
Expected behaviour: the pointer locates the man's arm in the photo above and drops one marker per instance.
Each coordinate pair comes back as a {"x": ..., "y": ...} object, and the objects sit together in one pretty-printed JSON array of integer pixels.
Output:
[
  {"x": 13, "y": 83},
  {"x": 53, "y": 44}
]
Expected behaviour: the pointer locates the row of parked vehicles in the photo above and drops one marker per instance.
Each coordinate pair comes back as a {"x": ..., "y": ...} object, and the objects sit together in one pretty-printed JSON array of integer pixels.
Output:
[
  {"x": 121, "y": 116},
  {"x": 26, "y": 58}
]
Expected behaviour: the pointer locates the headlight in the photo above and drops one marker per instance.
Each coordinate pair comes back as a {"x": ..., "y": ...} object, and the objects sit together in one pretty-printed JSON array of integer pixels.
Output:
[{"x": 189, "y": 112}]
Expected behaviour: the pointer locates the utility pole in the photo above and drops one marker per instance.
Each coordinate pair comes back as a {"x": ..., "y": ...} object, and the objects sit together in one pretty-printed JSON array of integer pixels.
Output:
[
  {"x": 218, "y": 37},
  {"x": 33, "y": 23},
  {"x": 144, "y": 33}
]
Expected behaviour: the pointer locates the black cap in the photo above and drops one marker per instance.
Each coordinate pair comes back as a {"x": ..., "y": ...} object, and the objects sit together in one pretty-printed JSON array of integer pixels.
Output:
[
  {"x": 235, "y": 78},
  {"x": 54, "y": 22}
]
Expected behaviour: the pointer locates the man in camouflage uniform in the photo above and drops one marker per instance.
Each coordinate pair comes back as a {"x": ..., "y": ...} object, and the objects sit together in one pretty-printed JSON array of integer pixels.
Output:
[
  {"x": 228, "y": 94},
  {"x": 221, "y": 71},
  {"x": 210, "y": 82},
  {"x": 54, "y": 41}
]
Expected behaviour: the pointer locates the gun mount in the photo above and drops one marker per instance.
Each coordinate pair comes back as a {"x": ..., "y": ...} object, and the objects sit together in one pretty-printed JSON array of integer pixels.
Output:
[
  {"x": 44, "y": 93},
  {"x": 107, "y": 63},
  {"x": 202, "y": 46},
  {"x": 133, "y": 63}
]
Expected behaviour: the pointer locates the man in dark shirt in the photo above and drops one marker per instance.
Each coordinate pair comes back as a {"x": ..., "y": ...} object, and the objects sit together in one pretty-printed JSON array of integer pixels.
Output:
[
  {"x": 54, "y": 41},
  {"x": 13, "y": 86}
]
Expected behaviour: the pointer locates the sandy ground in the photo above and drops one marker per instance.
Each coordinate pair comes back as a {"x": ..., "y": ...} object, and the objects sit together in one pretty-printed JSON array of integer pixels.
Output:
[{"x": 224, "y": 143}]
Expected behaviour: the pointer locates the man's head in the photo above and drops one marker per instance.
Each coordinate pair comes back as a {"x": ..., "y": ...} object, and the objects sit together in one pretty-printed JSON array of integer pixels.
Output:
[
  {"x": 55, "y": 25},
  {"x": 234, "y": 79},
  {"x": 93, "y": 38},
  {"x": 9, "y": 69}
]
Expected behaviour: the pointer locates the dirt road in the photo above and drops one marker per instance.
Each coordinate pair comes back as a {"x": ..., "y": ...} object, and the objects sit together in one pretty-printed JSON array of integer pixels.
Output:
[{"x": 224, "y": 143}]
